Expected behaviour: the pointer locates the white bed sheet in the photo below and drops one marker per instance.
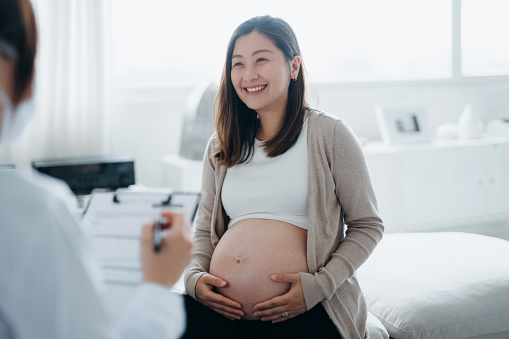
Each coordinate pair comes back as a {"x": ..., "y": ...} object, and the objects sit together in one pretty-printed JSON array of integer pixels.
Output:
[{"x": 438, "y": 285}]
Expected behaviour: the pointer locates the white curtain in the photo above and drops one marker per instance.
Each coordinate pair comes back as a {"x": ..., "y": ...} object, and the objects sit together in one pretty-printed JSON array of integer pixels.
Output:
[{"x": 72, "y": 85}]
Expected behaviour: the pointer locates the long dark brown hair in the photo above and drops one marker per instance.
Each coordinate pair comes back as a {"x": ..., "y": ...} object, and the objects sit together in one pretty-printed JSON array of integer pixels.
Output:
[
  {"x": 18, "y": 37},
  {"x": 235, "y": 122}
]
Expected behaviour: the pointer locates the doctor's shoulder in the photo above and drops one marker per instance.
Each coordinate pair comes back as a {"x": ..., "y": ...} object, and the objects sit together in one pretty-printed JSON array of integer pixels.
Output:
[
  {"x": 35, "y": 220},
  {"x": 35, "y": 192}
]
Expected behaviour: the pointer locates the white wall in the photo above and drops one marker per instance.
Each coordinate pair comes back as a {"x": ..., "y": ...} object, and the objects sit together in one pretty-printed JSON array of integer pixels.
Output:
[
  {"x": 147, "y": 124},
  {"x": 443, "y": 103}
]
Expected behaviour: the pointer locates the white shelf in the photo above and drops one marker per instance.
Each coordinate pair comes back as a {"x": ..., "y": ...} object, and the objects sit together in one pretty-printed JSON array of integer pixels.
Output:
[{"x": 378, "y": 147}]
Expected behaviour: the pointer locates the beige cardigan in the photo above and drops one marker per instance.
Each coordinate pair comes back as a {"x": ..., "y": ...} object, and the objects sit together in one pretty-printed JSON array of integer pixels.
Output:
[{"x": 340, "y": 192}]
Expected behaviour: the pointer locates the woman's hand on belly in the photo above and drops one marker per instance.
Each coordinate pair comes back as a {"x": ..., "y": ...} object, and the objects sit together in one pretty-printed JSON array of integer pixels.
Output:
[
  {"x": 217, "y": 302},
  {"x": 292, "y": 302}
]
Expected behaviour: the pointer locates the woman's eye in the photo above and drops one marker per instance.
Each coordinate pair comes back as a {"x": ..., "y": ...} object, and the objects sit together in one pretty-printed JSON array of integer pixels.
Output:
[
  {"x": 261, "y": 59},
  {"x": 237, "y": 64}
]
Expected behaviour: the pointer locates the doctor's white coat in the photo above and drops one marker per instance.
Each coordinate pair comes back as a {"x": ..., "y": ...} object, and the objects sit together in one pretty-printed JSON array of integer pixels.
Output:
[{"x": 49, "y": 287}]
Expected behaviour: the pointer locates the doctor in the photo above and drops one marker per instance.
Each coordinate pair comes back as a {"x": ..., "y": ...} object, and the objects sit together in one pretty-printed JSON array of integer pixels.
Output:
[{"x": 48, "y": 288}]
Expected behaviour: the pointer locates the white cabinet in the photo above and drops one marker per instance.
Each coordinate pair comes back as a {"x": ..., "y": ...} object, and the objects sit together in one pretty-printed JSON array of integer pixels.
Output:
[
  {"x": 498, "y": 200},
  {"x": 181, "y": 174},
  {"x": 429, "y": 186}
]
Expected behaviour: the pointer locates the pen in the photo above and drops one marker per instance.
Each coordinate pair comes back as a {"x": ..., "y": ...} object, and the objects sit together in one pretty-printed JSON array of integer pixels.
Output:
[{"x": 158, "y": 238}]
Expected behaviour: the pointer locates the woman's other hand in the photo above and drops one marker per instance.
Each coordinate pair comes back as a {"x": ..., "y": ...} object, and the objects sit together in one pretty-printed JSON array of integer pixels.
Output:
[
  {"x": 166, "y": 265},
  {"x": 217, "y": 302},
  {"x": 286, "y": 306}
]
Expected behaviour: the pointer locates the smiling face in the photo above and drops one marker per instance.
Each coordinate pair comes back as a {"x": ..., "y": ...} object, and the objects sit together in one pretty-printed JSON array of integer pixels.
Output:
[{"x": 261, "y": 74}]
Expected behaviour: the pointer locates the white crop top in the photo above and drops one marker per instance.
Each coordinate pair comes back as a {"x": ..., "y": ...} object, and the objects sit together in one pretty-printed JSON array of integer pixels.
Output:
[{"x": 270, "y": 188}]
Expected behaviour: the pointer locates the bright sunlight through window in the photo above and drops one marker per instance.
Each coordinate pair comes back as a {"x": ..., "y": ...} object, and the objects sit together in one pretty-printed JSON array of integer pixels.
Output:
[
  {"x": 485, "y": 37},
  {"x": 169, "y": 43}
]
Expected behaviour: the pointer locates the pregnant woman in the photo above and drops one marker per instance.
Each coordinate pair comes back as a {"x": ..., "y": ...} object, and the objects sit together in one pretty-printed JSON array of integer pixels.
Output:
[{"x": 288, "y": 211}]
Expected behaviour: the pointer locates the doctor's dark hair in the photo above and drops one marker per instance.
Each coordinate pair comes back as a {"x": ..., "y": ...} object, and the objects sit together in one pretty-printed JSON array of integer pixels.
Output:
[
  {"x": 18, "y": 41},
  {"x": 236, "y": 123}
]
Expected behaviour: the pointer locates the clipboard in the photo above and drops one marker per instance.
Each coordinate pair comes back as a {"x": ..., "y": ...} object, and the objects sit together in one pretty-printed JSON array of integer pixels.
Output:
[{"x": 113, "y": 222}]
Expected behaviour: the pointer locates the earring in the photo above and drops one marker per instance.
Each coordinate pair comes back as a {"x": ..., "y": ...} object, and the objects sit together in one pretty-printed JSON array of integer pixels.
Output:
[{"x": 294, "y": 79}]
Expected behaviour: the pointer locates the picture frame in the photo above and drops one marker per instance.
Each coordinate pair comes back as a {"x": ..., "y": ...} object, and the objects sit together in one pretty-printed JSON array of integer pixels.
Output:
[{"x": 403, "y": 125}]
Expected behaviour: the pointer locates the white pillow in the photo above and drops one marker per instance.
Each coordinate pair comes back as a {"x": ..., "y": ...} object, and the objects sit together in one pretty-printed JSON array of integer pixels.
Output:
[
  {"x": 375, "y": 328},
  {"x": 438, "y": 285}
]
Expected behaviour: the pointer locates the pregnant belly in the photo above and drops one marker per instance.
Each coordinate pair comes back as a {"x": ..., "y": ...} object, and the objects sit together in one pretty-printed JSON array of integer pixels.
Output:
[{"x": 250, "y": 252}]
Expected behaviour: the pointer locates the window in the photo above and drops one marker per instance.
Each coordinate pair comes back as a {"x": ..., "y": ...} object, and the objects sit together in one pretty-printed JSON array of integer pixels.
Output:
[
  {"x": 378, "y": 41},
  {"x": 485, "y": 37},
  {"x": 166, "y": 43}
]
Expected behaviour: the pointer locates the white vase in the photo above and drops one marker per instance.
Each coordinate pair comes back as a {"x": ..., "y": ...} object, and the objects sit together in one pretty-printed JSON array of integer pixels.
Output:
[{"x": 470, "y": 125}]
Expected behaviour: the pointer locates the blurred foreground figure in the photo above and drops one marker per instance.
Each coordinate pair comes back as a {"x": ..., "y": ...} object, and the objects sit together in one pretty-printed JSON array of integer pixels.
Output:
[{"x": 48, "y": 285}]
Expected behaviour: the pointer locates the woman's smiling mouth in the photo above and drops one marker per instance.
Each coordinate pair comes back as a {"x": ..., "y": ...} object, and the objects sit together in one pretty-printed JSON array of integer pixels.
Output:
[{"x": 255, "y": 89}]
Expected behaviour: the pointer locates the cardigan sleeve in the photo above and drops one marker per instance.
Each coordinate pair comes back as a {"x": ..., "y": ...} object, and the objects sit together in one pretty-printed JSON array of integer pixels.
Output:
[
  {"x": 202, "y": 244},
  {"x": 356, "y": 196}
]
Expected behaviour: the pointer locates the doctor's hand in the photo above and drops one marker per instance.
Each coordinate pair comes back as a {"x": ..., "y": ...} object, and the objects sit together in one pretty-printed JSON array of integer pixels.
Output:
[
  {"x": 166, "y": 266},
  {"x": 215, "y": 301},
  {"x": 286, "y": 306}
]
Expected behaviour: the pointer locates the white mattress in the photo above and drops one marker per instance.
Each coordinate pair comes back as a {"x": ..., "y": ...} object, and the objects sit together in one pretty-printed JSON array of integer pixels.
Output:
[{"x": 439, "y": 285}]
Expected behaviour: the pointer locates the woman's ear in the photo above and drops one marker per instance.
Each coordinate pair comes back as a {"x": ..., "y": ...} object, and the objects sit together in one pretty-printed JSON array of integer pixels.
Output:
[{"x": 295, "y": 67}]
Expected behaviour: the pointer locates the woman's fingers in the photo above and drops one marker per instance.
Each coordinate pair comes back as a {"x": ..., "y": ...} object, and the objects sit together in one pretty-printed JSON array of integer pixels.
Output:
[
  {"x": 221, "y": 303},
  {"x": 278, "y": 314},
  {"x": 210, "y": 281},
  {"x": 272, "y": 303},
  {"x": 272, "y": 312},
  {"x": 214, "y": 281},
  {"x": 283, "y": 307},
  {"x": 222, "y": 300},
  {"x": 282, "y": 317},
  {"x": 217, "y": 302},
  {"x": 277, "y": 309},
  {"x": 230, "y": 312},
  {"x": 226, "y": 314}
]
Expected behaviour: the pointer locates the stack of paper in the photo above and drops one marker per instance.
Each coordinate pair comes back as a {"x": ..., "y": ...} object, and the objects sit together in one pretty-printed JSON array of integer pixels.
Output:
[{"x": 113, "y": 223}]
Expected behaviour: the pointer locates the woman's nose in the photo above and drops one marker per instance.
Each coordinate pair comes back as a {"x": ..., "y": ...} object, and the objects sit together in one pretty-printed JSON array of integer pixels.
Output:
[{"x": 251, "y": 75}]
